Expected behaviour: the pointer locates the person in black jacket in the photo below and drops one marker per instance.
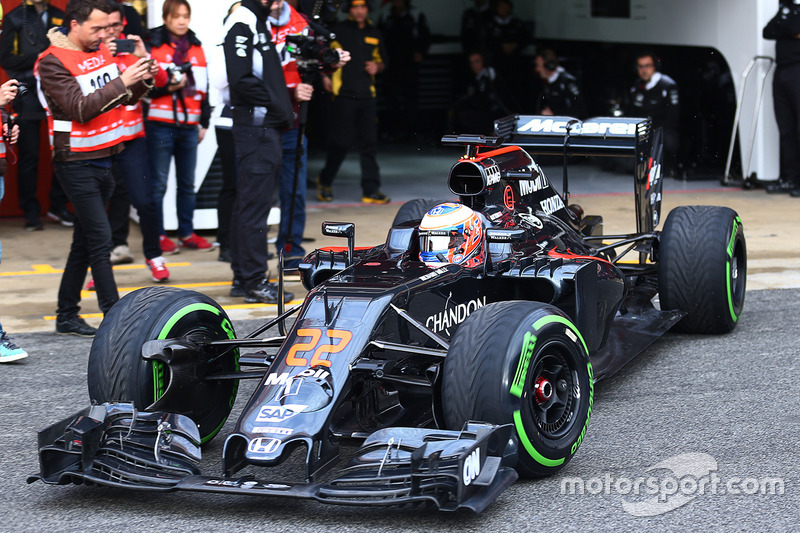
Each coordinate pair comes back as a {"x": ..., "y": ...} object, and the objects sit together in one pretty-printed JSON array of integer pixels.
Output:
[
  {"x": 784, "y": 29},
  {"x": 561, "y": 94},
  {"x": 656, "y": 95},
  {"x": 354, "y": 110},
  {"x": 262, "y": 109},
  {"x": 24, "y": 37}
]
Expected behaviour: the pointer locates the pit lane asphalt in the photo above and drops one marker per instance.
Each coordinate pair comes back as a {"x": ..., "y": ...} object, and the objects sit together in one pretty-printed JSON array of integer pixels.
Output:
[{"x": 733, "y": 397}]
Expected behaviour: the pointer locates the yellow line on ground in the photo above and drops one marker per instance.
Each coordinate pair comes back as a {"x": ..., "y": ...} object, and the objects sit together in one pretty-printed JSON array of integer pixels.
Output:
[
  {"x": 225, "y": 307},
  {"x": 38, "y": 270}
]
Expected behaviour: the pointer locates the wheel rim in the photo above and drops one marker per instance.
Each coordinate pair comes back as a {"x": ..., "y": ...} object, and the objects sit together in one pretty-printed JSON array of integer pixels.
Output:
[
  {"x": 554, "y": 382},
  {"x": 737, "y": 277}
]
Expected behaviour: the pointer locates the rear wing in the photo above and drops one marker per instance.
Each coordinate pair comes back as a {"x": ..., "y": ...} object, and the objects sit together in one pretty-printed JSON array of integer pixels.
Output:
[{"x": 598, "y": 136}]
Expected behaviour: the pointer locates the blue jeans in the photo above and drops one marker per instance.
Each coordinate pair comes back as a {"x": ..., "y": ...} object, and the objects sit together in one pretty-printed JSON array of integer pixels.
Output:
[
  {"x": 88, "y": 187},
  {"x": 286, "y": 184},
  {"x": 2, "y": 193},
  {"x": 133, "y": 164},
  {"x": 165, "y": 141}
]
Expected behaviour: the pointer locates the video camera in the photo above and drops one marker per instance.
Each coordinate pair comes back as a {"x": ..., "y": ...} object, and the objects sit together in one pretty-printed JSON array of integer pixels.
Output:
[{"x": 313, "y": 52}]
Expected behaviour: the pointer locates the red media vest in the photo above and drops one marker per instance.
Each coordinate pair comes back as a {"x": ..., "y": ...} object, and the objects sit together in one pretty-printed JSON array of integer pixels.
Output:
[
  {"x": 92, "y": 70},
  {"x": 161, "y": 108}
]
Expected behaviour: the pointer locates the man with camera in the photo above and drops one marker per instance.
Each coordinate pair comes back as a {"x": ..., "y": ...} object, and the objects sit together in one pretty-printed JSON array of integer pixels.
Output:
[
  {"x": 23, "y": 38},
  {"x": 133, "y": 180},
  {"x": 83, "y": 88},
  {"x": 315, "y": 56},
  {"x": 262, "y": 109}
]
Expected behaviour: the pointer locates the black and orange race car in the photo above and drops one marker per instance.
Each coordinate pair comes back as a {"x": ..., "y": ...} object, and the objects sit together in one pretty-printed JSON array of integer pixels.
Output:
[{"x": 461, "y": 353}]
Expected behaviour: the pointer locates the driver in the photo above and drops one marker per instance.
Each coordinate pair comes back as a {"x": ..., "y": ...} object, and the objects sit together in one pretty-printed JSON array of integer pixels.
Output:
[{"x": 451, "y": 233}]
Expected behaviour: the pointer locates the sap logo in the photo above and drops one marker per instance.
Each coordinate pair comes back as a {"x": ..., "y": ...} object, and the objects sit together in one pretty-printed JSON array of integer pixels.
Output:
[
  {"x": 552, "y": 204},
  {"x": 453, "y": 316},
  {"x": 492, "y": 175},
  {"x": 92, "y": 63},
  {"x": 472, "y": 467},
  {"x": 278, "y": 413},
  {"x": 263, "y": 445},
  {"x": 532, "y": 186},
  {"x": 549, "y": 125}
]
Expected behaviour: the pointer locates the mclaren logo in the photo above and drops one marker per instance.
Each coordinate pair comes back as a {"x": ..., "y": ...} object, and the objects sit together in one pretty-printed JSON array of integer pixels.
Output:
[{"x": 549, "y": 125}]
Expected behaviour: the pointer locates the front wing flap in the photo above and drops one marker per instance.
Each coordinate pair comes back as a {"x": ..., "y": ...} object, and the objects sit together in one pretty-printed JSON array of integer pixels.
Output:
[{"x": 115, "y": 445}]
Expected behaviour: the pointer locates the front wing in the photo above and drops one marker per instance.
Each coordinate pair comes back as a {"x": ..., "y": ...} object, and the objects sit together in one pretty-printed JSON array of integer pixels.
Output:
[{"x": 118, "y": 446}]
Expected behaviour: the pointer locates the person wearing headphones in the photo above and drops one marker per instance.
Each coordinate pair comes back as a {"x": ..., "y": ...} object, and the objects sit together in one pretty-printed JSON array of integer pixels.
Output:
[
  {"x": 561, "y": 94},
  {"x": 656, "y": 95}
]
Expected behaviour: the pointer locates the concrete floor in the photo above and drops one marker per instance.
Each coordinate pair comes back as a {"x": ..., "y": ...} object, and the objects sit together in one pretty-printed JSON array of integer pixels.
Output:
[{"x": 32, "y": 262}]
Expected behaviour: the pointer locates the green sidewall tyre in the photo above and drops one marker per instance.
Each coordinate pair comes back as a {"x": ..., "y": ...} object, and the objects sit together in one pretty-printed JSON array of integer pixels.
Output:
[
  {"x": 494, "y": 363},
  {"x": 117, "y": 371},
  {"x": 702, "y": 268}
]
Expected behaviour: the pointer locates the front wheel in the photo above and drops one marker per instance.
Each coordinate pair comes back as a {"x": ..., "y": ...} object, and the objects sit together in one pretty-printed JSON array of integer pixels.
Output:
[
  {"x": 526, "y": 364},
  {"x": 118, "y": 372}
]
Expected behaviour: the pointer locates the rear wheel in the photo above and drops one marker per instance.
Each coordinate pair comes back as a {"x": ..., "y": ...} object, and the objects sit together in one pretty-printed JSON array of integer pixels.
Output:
[
  {"x": 522, "y": 363},
  {"x": 415, "y": 209},
  {"x": 702, "y": 268},
  {"x": 117, "y": 371}
]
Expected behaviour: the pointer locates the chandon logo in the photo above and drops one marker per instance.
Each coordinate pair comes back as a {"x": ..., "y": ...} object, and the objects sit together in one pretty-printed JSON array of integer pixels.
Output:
[{"x": 454, "y": 315}]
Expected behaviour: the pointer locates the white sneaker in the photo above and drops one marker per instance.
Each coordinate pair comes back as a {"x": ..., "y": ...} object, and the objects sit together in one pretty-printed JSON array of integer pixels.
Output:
[{"x": 121, "y": 255}]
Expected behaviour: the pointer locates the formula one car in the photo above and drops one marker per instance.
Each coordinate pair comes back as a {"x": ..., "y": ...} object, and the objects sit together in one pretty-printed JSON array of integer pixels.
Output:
[{"x": 463, "y": 350}]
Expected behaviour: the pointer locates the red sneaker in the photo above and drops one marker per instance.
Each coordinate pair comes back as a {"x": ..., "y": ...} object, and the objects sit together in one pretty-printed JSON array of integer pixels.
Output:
[
  {"x": 167, "y": 246},
  {"x": 158, "y": 269},
  {"x": 196, "y": 242},
  {"x": 90, "y": 285}
]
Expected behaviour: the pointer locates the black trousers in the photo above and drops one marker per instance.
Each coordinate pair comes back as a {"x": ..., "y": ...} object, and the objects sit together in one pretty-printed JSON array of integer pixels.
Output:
[
  {"x": 353, "y": 119},
  {"x": 227, "y": 194},
  {"x": 28, "y": 173},
  {"x": 786, "y": 98},
  {"x": 258, "y": 157},
  {"x": 88, "y": 187}
]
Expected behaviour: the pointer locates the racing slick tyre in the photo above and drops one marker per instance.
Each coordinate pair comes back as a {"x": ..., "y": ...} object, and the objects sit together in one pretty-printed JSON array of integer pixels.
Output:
[
  {"x": 118, "y": 372},
  {"x": 415, "y": 209},
  {"x": 526, "y": 364},
  {"x": 702, "y": 268}
]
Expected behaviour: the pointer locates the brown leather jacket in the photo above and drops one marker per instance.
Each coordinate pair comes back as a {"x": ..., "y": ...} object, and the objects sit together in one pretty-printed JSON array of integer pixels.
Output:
[{"x": 66, "y": 101}]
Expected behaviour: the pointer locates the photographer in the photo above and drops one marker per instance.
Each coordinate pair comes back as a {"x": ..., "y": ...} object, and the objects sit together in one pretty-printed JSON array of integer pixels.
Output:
[
  {"x": 175, "y": 113},
  {"x": 133, "y": 180},
  {"x": 83, "y": 88},
  {"x": 23, "y": 38},
  {"x": 286, "y": 21},
  {"x": 262, "y": 109}
]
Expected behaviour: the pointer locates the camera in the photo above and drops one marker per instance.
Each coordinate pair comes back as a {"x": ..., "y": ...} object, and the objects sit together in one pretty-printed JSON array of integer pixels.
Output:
[
  {"x": 22, "y": 88},
  {"x": 177, "y": 71},
  {"x": 313, "y": 51}
]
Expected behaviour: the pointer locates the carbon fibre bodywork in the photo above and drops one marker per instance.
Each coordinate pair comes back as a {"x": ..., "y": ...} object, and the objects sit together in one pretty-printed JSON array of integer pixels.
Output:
[{"x": 364, "y": 357}]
